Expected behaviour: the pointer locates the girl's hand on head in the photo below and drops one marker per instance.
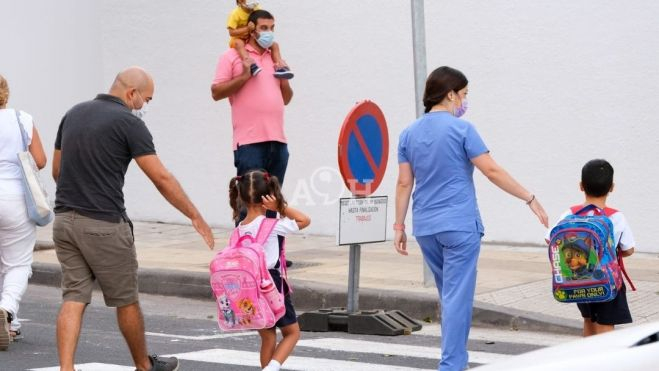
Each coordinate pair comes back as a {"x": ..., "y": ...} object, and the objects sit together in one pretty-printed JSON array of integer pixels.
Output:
[{"x": 269, "y": 202}]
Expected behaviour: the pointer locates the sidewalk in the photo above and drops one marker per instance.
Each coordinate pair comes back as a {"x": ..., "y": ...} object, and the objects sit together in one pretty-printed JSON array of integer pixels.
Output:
[{"x": 513, "y": 287}]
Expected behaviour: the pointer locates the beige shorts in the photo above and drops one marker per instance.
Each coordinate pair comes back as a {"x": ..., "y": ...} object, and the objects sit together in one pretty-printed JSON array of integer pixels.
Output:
[{"x": 95, "y": 250}]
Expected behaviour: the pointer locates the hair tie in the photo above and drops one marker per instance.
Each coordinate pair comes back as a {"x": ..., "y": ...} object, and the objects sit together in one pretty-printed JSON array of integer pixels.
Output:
[{"x": 266, "y": 176}]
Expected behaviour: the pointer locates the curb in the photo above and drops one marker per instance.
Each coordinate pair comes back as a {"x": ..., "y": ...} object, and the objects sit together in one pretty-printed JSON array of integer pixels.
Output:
[
  {"x": 311, "y": 295},
  {"x": 44, "y": 245}
]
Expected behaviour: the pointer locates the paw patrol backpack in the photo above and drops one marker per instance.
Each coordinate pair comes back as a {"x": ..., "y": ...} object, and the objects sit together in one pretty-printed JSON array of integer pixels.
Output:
[
  {"x": 584, "y": 263},
  {"x": 242, "y": 286}
]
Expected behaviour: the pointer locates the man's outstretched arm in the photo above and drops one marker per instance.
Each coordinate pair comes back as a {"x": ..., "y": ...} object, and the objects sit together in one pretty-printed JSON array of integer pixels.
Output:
[{"x": 170, "y": 188}]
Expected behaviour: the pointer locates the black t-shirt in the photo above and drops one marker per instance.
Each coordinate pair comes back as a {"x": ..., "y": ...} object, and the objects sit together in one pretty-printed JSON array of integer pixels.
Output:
[{"x": 98, "y": 139}]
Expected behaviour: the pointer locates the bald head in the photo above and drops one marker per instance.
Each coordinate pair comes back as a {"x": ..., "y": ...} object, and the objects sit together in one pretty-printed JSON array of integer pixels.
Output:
[{"x": 132, "y": 84}]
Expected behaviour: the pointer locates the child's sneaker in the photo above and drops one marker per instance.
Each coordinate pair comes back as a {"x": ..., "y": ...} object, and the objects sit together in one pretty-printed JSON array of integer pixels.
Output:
[
  {"x": 284, "y": 73},
  {"x": 163, "y": 363},
  {"x": 254, "y": 69},
  {"x": 5, "y": 336}
]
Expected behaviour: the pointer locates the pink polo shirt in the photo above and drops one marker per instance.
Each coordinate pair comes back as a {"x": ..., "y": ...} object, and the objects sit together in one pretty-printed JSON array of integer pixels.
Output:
[{"x": 257, "y": 109}]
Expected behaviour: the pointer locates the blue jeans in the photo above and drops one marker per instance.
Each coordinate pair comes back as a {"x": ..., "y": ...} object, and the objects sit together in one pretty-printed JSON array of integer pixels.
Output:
[
  {"x": 269, "y": 156},
  {"x": 452, "y": 258}
]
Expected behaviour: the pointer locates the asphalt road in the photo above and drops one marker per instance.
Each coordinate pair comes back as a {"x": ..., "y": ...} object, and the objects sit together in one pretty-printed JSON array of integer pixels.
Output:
[{"x": 187, "y": 328}]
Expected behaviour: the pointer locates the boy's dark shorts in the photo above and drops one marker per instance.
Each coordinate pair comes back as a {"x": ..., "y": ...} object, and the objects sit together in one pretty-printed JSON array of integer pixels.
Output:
[
  {"x": 614, "y": 312},
  {"x": 289, "y": 317}
]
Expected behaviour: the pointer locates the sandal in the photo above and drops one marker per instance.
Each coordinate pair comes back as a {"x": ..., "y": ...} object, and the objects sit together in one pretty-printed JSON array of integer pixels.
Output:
[{"x": 15, "y": 335}]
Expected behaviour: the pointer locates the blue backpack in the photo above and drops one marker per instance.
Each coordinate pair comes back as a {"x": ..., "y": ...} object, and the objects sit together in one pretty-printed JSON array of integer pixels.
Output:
[{"x": 585, "y": 265}]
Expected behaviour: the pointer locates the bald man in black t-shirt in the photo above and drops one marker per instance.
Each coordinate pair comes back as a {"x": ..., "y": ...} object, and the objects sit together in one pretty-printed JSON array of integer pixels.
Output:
[{"x": 93, "y": 236}]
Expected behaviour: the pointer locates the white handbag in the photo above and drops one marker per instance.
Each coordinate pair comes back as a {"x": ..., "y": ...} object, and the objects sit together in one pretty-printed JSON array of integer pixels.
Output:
[{"x": 36, "y": 198}]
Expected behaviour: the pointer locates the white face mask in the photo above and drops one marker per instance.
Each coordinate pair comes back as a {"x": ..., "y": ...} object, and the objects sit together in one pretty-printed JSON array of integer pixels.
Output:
[
  {"x": 251, "y": 4},
  {"x": 140, "y": 112}
]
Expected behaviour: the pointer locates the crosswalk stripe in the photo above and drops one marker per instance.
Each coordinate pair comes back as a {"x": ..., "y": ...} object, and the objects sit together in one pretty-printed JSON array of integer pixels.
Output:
[
  {"x": 202, "y": 337},
  {"x": 507, "y": 336},
  {"x": 90, "y": 367},
  {"x": 372, "y": 347},
  {"x": 243, "y": 358}
]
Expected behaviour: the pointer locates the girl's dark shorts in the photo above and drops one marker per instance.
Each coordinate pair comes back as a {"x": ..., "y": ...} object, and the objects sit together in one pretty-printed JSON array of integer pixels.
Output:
[
  {"x": 289, "y": 317},
  {"x": 614, "y": 312}
]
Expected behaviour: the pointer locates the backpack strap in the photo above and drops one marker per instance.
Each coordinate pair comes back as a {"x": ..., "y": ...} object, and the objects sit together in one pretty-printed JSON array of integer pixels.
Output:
[
  {"x": 24, "y": 135},
  {"x": 621, "y": 264},
  {"x": 282, "y": 266},
  {"x": 235, "y": 237},
  {"x": 581, "y": 209},
  {"x": 265, "y": 229},
  {"x": 574, "y": 209},
  {"x": 262, "y": 234},
  {"x": 624, "y": 272}
]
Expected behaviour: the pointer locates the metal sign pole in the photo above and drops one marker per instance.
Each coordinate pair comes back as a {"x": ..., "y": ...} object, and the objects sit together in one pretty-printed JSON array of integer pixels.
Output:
[
  {"x": 353, "y": 278},
  {"x": 419, "y": 50},
  {"x": 362, "y": 220}
]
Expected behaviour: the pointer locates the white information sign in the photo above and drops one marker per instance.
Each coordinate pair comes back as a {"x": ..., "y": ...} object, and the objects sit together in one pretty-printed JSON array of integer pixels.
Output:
[{"x": 362, "y": 220}]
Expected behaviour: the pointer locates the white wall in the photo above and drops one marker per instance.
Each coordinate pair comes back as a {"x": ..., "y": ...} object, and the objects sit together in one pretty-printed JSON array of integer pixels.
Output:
[
  {"x": 50, "y": 56},
  {"x": 554, "y": 85},
  {"x": 551, "y": 86}
]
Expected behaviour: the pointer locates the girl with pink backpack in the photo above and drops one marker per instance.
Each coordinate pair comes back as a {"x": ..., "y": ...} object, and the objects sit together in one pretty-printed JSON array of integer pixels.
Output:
[{"x": 257, "y": 191}]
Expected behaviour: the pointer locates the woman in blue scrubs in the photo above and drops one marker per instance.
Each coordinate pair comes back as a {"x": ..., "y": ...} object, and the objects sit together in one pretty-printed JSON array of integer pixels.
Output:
[{"x": 436, "y": 155}]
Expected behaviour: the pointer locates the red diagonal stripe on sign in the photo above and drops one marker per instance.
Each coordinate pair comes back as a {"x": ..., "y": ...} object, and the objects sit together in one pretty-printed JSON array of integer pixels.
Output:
[{"x": 364, "y": 147}]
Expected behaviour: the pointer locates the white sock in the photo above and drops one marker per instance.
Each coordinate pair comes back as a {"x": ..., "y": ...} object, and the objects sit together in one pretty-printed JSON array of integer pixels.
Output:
[{"x": 272, "y": 366}]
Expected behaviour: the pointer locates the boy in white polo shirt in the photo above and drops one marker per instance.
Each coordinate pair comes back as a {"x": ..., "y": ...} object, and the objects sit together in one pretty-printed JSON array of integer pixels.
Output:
[{"x": 597, "y": 183}]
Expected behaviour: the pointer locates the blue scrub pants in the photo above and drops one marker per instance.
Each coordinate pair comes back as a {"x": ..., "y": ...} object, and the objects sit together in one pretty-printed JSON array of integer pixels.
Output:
[{"x": 452, "y": 258}]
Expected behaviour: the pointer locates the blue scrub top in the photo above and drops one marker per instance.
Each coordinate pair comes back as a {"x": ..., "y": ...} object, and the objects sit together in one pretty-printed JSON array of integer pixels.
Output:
[{"x": 439, "y": 147}]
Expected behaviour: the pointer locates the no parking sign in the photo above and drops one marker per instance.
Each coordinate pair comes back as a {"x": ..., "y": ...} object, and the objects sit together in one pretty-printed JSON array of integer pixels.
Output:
[
  {"x": 363, "y": 148},
  {"x": 363, "y": 153}
]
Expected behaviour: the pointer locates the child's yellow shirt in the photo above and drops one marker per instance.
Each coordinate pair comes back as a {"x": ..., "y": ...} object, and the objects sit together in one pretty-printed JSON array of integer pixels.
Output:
[{"x": 238, "y": 18}]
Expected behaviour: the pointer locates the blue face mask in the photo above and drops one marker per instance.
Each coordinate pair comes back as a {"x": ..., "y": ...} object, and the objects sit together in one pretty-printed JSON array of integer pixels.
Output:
[{"x": 266, "y": 39}]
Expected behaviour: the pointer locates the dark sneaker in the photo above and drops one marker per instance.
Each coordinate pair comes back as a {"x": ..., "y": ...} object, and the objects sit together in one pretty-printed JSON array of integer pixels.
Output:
[
  {"x": 5, "y": 336},
  {"x": 254, "y": 69},
  {"x": 288, "y": 263},
  {"x": 284, "y": 73},
  {"x": 163, "y": 363}
]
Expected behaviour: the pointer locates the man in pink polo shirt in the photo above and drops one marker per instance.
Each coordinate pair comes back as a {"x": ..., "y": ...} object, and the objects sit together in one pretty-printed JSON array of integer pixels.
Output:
[{"x": 257, "y": 102}]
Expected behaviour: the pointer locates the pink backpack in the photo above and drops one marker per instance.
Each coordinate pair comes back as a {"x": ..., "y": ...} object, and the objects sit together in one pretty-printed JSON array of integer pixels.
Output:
[{"x": 246, "y": 296}]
